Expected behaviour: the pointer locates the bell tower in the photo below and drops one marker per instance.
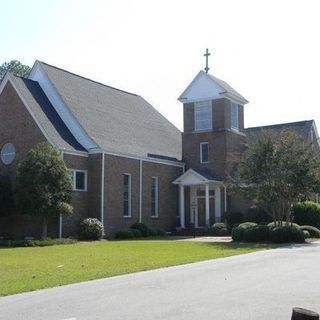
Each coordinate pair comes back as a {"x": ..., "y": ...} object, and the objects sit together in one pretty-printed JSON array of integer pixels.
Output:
[{"x": 213, "y": 117}]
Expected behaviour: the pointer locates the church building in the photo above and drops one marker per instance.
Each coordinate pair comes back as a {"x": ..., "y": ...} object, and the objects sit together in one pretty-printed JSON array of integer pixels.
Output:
[{"x": 127, "y": 162}]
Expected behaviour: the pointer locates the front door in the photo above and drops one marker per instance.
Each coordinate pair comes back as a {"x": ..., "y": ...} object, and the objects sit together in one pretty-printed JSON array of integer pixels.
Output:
[{"x": 202, "y": 211}]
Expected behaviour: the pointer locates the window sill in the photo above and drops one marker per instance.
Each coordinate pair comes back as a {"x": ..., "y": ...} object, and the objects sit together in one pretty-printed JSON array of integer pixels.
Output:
[
  {"x": 127, "y": 217},
  {"x": 78, "y": 190},
  {"x": 154, "y": 217}
]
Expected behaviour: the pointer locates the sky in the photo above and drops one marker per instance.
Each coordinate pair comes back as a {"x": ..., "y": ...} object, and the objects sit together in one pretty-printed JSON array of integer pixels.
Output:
[{"x": 269, "y": 51}]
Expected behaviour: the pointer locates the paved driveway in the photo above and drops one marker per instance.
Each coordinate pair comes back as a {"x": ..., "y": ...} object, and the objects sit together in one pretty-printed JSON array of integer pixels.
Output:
[{"x": 263, "y": 285}]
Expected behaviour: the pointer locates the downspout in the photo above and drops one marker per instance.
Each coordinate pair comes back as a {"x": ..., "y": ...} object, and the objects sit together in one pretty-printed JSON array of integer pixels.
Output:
[
  {"x": 140, "y": 192},
  {"x": 102, "y": 190},
  {"x": 60, "y": 215},
  {"x": 225, "y": 198}
]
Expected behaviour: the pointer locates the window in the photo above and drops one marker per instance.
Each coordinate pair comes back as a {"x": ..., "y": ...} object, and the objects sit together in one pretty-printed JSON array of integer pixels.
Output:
[
  {"x": 234, "y": 115},
  {"x": 204, "y": 152},
  {"x": 154, "y": 197},
  {"x": 79, "y": 179},
  {"x": 8, "y": 153},
  {"x": 203, "y": 115},
  {"x": 127, "y": 195}
]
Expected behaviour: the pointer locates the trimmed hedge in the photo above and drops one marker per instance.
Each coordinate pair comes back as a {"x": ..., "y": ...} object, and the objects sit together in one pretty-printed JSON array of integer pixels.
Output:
[
  {"x": 238, "y": 232},
  {"x": 306, "y": 234},
  {"x": 219, "y": 229},
  {"x": 126, "y": 234},
  {"x": 313, "y": 231},
  {"x": 286, "y": 235},
  {"x": 143, "y": 228},
  {"x": 284, "y": 224},
  {"x": 307, "y": 213},
  {"x": 91, "y": 229},
  {"x": 256, "y": 233},
  {"x": 246, "y": 225},
  {"x": 36, "y": 243}
]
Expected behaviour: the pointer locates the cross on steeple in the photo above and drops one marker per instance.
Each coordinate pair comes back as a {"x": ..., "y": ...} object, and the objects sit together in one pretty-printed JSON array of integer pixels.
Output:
[{"x": 207, "y": 54}]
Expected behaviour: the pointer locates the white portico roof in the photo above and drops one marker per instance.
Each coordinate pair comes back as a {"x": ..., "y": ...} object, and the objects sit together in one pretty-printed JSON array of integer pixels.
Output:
[{"x": 193, "y": 177}]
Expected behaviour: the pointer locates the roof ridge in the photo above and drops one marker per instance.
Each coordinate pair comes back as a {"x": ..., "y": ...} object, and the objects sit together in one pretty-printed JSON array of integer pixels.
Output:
[
  {"x": 281, "y": 124},
  {"x": 97, "y": 82}
]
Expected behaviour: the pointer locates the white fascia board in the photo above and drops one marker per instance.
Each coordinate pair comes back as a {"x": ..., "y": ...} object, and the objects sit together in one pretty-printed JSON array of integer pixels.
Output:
[
  {"x": 7, "y": 79},
  {"x": 202, "y": 179},
  {"x": 75, "y": 153},
  {"x": 146, "y": 159},
  {"x": 234, "y": 98},
  {"x": 38, "y": 74}
]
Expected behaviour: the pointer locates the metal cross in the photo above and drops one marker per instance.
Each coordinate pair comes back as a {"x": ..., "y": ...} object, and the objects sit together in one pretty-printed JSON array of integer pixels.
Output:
[{"x": 207, "y": 54}]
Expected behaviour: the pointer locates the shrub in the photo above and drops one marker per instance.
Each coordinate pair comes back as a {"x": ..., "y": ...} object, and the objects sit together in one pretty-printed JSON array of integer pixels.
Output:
[
  {"x": 284, "y": 224},
  {"x": 136, "y": 233},
  {"x": 36, "y": 243},
  {"x": 246, "y": 225},
  {"x": 307, "y": 213},
  {"x": 286, "y": 234},
  {"x": 313, "y": 231},
  {"x": 125, "y": 234},
  {"x": 91, "y": 229},
  {"x": 152, "y": 232},
  {"x": 237, "y": 234},
  {"x": 306, "y": 234},
  {"x": 161, "y": 232},
  {"x": 256, "y": 233},
  {"x": 142, "y": 228},
  {"x": 219, "y": 229}
]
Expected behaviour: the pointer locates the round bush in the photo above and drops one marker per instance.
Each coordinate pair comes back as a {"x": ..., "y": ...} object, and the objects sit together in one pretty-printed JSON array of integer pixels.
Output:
[
  {"x": 246, "y": 225},
  {"x": 256, "y": 233},
  {"x": 125, "y": 234},
  {"x": 136, "y": 233},
  {"x": 286, "y": 235},
  {"x": 307, "y": 213},
  {"x": 284, "y": 224},
  {"x": 306, "y": 234},
  {"x": 313, "y": 231},
  {"x": 237, "y": 234},
  {"x": 91, "y": 229},
  {"x": 219, "y": 229},
  {"x": 142, "y": 228}
]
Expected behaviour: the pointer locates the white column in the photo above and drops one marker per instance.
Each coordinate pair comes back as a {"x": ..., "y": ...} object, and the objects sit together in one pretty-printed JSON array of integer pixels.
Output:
[
  {"x": 181, "y": 206},
  {"x": 217, "y": 203},
  {"x": 207, "y": 206},
  {"x": 60, "y": 226}
]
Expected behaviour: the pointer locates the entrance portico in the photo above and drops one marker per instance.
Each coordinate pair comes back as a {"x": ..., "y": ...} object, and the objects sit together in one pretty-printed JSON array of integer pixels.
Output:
[{"x": 205, "y": 198}]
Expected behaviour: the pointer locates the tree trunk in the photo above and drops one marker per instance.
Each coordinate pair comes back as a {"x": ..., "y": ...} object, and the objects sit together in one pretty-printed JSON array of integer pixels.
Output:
[
  {"x": 44, "y": 228},
  {"x": 304, "y": 314}
]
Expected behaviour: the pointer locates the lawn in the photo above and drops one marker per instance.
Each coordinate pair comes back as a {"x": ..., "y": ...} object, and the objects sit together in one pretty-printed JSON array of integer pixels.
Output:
[{"x": 27, "y": 269}]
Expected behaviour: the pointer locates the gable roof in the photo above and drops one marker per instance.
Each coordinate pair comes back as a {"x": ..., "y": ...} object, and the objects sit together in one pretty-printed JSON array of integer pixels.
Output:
[
  {"x": 116, "y": 120},
  {"x": 47, "y": 118},
  {"x": 301, "y": 127},
  {"x": 196, "y": 177},
  {"x": 208, "y": 86}
]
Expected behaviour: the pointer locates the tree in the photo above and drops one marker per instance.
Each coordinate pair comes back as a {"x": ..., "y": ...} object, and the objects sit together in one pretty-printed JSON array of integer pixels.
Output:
[
  {"x": 16, "y": 67},
  {"x": 276, "y": 171},
  {"x": 43, "y": 185}
]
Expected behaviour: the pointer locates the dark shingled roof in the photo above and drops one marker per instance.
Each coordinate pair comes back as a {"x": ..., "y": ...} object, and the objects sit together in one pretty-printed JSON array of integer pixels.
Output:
[
  {"x": 46, "y": 115},
  {"x": 301, "y": 127},
  {"x": 116, "y": 120},
  {"x": 208, "y": 175}
]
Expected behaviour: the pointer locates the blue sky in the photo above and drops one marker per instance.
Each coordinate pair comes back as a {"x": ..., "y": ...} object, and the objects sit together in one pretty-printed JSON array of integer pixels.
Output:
[{"x": 267, "y": 50}]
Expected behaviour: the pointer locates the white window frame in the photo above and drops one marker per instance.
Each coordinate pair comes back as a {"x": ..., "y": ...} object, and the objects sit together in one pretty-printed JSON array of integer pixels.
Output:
[
  {"x": 156, "y": 215},
  {"x": 129, "y": 197},
  {"x": 74, "y": 179},
  {"x": 197, "y": 106},
  {"x": 201, "y": 144},
  {"x": 234, "y": 106}
]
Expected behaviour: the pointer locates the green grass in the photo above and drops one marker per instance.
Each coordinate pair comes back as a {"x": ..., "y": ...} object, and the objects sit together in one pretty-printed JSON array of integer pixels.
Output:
[{"x": 27, "y": 269}]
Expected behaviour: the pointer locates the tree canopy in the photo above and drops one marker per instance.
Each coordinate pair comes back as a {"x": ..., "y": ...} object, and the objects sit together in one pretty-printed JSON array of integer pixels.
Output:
[
  {"x": 16, "y": 67},
  {"x": 43, "y": 185},
  {"x": 276, "y": 171}
]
